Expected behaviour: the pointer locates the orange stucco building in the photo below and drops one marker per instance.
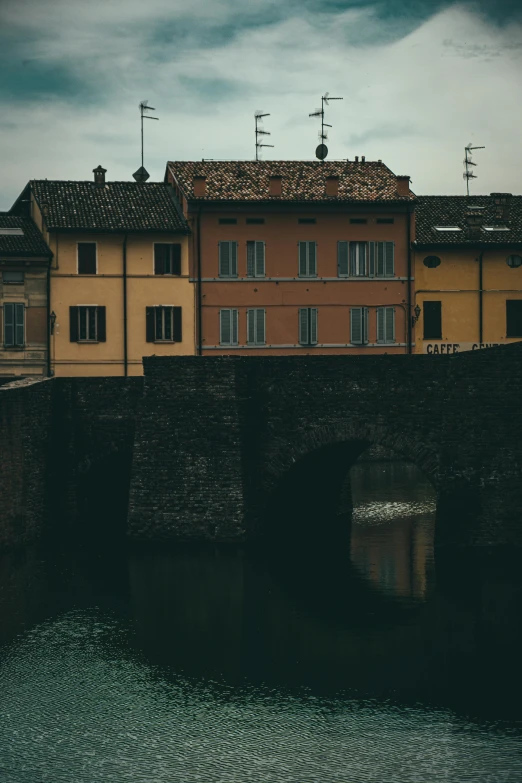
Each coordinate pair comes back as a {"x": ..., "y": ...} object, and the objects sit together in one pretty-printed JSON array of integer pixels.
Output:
[{"x": 298, "y": 257}]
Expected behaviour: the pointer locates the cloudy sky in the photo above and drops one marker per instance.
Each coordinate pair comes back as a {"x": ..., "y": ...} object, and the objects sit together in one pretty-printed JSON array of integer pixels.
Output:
[{"x": 420, "y": 79}]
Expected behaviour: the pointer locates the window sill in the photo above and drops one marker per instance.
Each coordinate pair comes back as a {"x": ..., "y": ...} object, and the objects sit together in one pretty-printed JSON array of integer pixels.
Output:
[
  {"x": 87, "y": 274},
  {"x": 14, "y": 348},
  {"x": 87, "y": 342},
  {"x": 167, "y": 342},
  {"x": 166, "y": 274}
]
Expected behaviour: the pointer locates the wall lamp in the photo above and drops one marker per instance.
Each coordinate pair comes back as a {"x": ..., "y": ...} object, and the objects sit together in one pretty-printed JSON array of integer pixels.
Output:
[
  {"x": 415, "y": 317},
  {"x": 52, "y": 321}
]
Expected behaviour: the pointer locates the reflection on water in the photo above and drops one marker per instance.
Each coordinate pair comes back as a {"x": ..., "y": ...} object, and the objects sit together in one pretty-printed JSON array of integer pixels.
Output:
[{"x": 357, "y": 662}]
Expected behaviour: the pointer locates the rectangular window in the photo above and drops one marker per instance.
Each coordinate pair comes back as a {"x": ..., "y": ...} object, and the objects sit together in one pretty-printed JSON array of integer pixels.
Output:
[
  {"x": 228, "y": 327},
  {"x": 307, "y": 259},
  {"x": 358, "y": 220},
  {"x": 513, "y": 317},
  {"x": 228, "y": 221},
  {"x": 385, "y": 220},
  {"x": 255, "y": 259},
  {"x": 87, "y": 324},
  {"x": 167, "y": 258},
  {"x": 163, "y": 324},
  {"x": 432, "y": 315},
  {"x": 228, "y": 259},
  {"x": 14, "y": 325},
  {"x": 255, "y": 221},
  {"x": 385, "y": 324},
  {"x": 308, "y": 325},
  {"x": 256, "y": 327},
  {"x": 309, "y": 221},
  {"x": 87, "y": 258},
  {"x": 359, "y": 325},
  {"x": 358, "y": 259},
  {"x": 12, "y": 278},
  {"x": 343, "y": 265},
  {"x": 382, "y": 259}
]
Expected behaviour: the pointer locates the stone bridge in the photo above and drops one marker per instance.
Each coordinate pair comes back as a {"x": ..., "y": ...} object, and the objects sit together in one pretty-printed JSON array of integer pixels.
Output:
[{"x": 210, "y": 449}]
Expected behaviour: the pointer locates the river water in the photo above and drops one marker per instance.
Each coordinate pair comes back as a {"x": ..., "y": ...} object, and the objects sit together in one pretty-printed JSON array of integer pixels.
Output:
[{"x": 364, "y": 659}]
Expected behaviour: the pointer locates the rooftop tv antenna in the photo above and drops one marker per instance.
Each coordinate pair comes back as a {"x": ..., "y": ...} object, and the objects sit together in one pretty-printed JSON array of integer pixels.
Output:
[
  {"x": 142, "y": 174},
  {"x": 468, "y": 173},
  {"x": 260, "y": 132},
  {"x": 322, "y": 150}
]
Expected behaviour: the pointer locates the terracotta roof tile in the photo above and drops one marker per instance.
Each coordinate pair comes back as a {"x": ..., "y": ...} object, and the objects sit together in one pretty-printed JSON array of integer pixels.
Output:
[
  {"x": 117, "y": 206},
  {"x": 28, "y": 244},
  {"x": 301, "y": 180}
]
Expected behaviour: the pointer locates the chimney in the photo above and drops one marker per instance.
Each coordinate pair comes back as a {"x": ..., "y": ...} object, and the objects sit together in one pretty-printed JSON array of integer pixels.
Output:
[
  {"x": 403, "y": 185},
  {"x": 276, "y": 185},
  {"x": 332, "y": 186},
  {"x": 99, "y": 176},
  {"x": 363, "y": 159},
  {"x": 473, "y": 219},
  {"x": 501, "y": 203},
  {"x": 357, "y": 159},
  {"x": 200, "y": 186}
]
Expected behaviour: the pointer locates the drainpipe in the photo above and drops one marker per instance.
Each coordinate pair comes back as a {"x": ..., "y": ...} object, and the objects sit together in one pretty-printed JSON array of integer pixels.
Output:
[
  {"x": 49, "y": 319},
  {"x": 199, "y": 296},
  {"x": 408, "y": 229},
  {"x": 481, "y": 298},
  {"x": 125, "y": 356}
]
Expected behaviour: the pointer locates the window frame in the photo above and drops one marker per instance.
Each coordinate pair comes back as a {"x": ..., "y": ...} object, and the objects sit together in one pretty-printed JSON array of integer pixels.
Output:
[
  {"x": 306, "y": 242},
  {"x": 508, "y": 335},
  {"x": 86, "y": 274},
  {"x": 15, "y": 345},
  {"x": 426, "y": 336},
  {"x": 309, "y": 326},
  {"x": 384, "y": 310},
  {"x": 364, "y": 325},
  {"x": 12, "y": 272},
  {"x": 228, "y": 242},
  {"x": 96, "y": 329},
  {"x": 255, "y": 242},
  {"x": 167, "y": 274},
  {"x": 233, "y": 317},
  {"x": 256, "y": 311}
]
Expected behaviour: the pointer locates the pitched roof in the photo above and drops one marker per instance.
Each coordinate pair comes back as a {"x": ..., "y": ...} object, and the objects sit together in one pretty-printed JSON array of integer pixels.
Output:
[
  {"x": 14, "y": 244},
  {"x": 115, "y": 206},
  {"x": 301, "y": 180},
  {"x": 440, "y": 211}
]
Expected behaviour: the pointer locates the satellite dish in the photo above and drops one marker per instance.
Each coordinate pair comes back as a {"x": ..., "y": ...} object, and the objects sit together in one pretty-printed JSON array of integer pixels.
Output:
[{"x": 321, "y": 151}]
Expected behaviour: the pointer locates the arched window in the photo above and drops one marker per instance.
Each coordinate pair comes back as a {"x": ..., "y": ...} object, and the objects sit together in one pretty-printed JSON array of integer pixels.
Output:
[
  {"x": 514, "y": 261},
  {"x": 431, "y": 262}
]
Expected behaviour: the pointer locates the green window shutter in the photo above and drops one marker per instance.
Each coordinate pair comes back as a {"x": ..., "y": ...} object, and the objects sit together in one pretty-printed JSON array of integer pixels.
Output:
[
  {"x": 356, "y": 325},
  {"x": 389, "y": 325},
  {"x": 225, "y": 327},
  {"x": 362, "y": 259},
  {"x": 176, "y": 259},
  {"x": 224, "y": 259},
  {"x": 260, "y": 327},
  {"x": 19, "y": 325},
  {"x": 234, "y": 320},
  {"x": 149, "y": 324},
  {"x": 303, "y": 325},
  {"x": 9, "y": 328},
  {"x": 342, "y": 259},
  {"x": 381, "y": 330},
  {"x": 101, "y": 335},
  {"x": 365, "y": 325},
  {"x": 159, "y": 259},
  {"x": 176, "y": 317},
  {"x": 260, "y": 259},
  {"x": 251, "y": 327},
  {"x": 353, "y": 259},
  {"x": 312, "y": 259},
  {"x": 380, "y": 259},
  {"x": 73, "y": 324},
  {"x": 313, "y": 326},
  {"x": 302, "y": 259},
  {"x": 389, "y": 264},
  {"x": 233, "y": 259},
  {"x": 251, "y": 259},
  {"x": 371, "y": 259}
]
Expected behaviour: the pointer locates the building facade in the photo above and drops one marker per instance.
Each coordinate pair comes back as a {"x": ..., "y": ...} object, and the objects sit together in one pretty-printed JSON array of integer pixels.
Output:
[
  {"x": 468, "y": 272},
  {"x": 293, "y": 257},
  {"x": 24, "y": 318},
  {"x": 119, "y": 280}
]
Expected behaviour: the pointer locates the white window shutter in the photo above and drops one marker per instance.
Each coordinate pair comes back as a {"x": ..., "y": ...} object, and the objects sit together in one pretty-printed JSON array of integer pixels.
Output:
[
  {"x": 225, "y": 330},
  {"x": 260, "y": 259},
  {"x": 251, "y": 327},
  {"x": 380, "y": 259},
  {"x": 389, "y": 248},
  {"x": 343, "y": 267},
  {"x": 302, "y": 259},
  {"x": 260, "y": 327},
  {"x": 303, "y": 325},
  {"x": 390, "y": 325},
  {"x": 313, "y": 326},
  {"x": 224, "y": 259},
  {"x": 381, "y": 332},
  {"x": 251, "y": 259},
  {"x": 356, "y": 325},
  {"x": 312, "y": 259}
]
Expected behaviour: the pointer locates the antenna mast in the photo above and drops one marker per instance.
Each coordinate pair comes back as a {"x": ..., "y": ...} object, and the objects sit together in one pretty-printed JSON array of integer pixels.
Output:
[
  {"x": 322, "y": 150},
  {"x": 260, "y": 132},
  {"x": 143, "y": 108},
  {"x": 468, "y": 173}
]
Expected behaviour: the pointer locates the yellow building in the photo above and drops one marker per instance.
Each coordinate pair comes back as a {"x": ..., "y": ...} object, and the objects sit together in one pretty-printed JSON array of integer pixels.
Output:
[
  {"x": 119, "y": 284},
  {"x": 468, "y": 272}
]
